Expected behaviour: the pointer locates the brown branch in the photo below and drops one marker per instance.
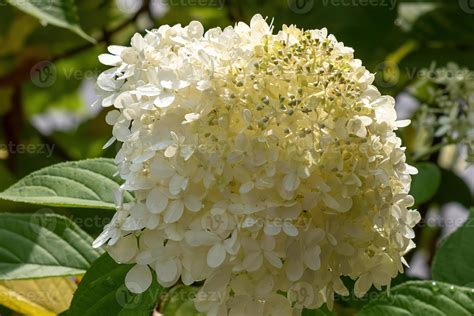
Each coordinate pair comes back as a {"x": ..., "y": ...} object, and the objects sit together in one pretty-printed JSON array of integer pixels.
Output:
[{"x": 12, "y": 126}]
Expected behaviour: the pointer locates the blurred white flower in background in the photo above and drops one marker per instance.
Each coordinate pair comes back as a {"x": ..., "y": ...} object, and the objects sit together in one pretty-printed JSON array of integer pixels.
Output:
[
  {"x": 261, "y": 164},
  {"x": 447, "y": 106}
]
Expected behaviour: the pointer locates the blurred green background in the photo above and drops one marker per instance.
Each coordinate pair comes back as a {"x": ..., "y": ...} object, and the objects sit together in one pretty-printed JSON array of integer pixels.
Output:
[{"x": 48, "y": 68}]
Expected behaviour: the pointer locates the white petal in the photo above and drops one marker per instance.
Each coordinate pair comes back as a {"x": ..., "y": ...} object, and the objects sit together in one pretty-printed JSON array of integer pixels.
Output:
[
  {"x": 161, "y": 169},
  {"x": 311, "y": 258},
  {"x": 164, "y": 99},
  {"x": 177, "y": 184},
  {"x": 107, "y": 82},
  {"x": 216, "y": 255},
  {"x": 138, "y": 279},
  {"x": 102, "y": 239},
  {"x": 411, "y": 169},
  {"x": 402, "y": 123},
  {"x": 291, "y": 182},
  {"x": 187, "y": 151},
  {"x": 123, "y": 100},
  {"x": 247, "y": 187},
  {"x": 167, "y": 271},
  {"x": 199, "y": 238},
  {"x": 290, "y": 229},
  {"x": 124, "y": 250},
  {"x": 121, "y": 131},
  {"x": 330, "y": 201},
  {"x": 153, "y": 222},
  {"x": 174, "y": 212},
  {"x": 138, "y": 42},
  {"x": 133, "y": 223},
  {"x": 191, "y": 117},
  {"x": 366, "y": 121},
  {"x": 272, "y": 229},
  {"x": 110, "y": 60},
  {"x": 294, "y": 269},
  {"x": 273, "y": 259},
  {"x": 112, "y": 117},
  {"x": 203, "y": 85},
  {"x": 116, "y": 49},
  {"x": 192, "y": 202},
  {"x": 253, "y": 261},
  {"x": 345, "y": 249},
  {"x": 156, "y": 201},
  {"x": 149, "y": 90},
  {"x": 362, "y": 285},
  {"x": 195, "y": 29},
  {"x": 264, "y": 285},
  {"x": 171, "y": 151},
  {"x": 118, "y": 198},
  {"x": 167, "y": 79}
]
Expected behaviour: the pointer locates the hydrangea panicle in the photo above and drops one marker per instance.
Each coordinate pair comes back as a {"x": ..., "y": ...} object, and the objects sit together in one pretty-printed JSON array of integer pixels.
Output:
[{"x": 261, "y": 164}]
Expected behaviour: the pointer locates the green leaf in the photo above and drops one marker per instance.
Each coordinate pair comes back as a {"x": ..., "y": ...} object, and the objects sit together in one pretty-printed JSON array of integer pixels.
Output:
[
  {"x": 86, "y": 183},
  {"x": 445, "y": 23},
  {"x": 103, "y": 292},
  {"x": 353, "y": 302},
  {"x": 426, "y": 182},
  {"x": 422, "y": 298},
  {"x": 179, "y": 302},
  {"x": 5, "y": 311},
  {"x": 453, "y": 261},
  {"x": 38, "y": 297},
  {"x": 453, "y": 189},
  {"x": 42, "y": 245},
  {"x": 61, "y": 13},
  {"x": 7, "y": 178}
]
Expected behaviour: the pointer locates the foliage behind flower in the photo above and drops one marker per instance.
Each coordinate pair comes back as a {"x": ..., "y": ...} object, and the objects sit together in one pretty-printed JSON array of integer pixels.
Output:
[
  {"x": 261, "y": 164},
  {"x": 447, "y": 109}
]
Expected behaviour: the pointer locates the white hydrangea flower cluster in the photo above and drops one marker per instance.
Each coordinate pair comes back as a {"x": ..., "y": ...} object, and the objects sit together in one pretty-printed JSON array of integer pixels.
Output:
[
  {"x": 448, "y": 108},
  {"x": 261, "y": 164}
]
